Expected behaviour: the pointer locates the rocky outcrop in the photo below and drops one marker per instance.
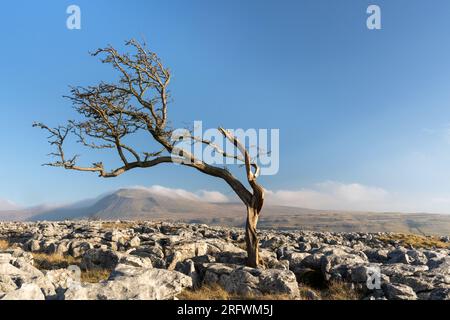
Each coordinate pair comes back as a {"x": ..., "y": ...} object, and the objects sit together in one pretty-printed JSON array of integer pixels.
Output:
[
  {"x": 157, "y": 260},
  {"x": 244, "y": 281},
  {"x": 133, "y": 283}
]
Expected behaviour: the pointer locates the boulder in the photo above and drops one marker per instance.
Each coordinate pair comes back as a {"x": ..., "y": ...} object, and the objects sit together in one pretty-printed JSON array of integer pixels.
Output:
[
  {"x": 304, "y": 246},
  {"x": 441, "y": 266},
  {"x": 187, "y": 267},
  {"x": 130, "y": 283},
  {"x": 135, "y": 261},
  {"x": 246, "y": 281},
  {"x": 6, "y": 284},
  {"x": 78, "y": 249},
  {"x": 402, "y": 269},
  {"x": 364, "y": 272},
  {"x": 182, "y": 251},
  {"x": 398, "y": 292},
  {"x": 28, "y": 291},
  {"x": 280, "y": 282},
  {"x": 417, "y": 257},
  {"x": 27, "y": 268},
  {"x": 273, "y": 243},
  {"x": 440, "y": 294},
  {"x": 10, "y": 270},
  {"x": 5, "y": 257},
  {"x": 296, "y": 261},
  {"x": 114, "y": 236},
  {"x": 399, "y": 255},
  {"x": 134, "y": 242},
  {"x": 34, "y": 245},
  {"x": 214, "y": 246},
  {"x": 154, "y": 253},
  {"x": 63, "y": 278},
  {"x": 312, "y": 261},
  {"x": 99, "y": 258},
  {"x": 377, "y": 255},
  {"x": 241, "y": 281},
  {"x": 337, "y": 264}
]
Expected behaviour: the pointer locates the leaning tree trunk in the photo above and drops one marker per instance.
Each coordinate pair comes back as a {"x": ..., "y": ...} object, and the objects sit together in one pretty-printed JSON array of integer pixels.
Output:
[{"x": 251, "y": 237}]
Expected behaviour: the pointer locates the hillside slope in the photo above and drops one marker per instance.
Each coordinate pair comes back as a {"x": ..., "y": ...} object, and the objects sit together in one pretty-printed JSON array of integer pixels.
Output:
[{"x": 137, "y": 204}]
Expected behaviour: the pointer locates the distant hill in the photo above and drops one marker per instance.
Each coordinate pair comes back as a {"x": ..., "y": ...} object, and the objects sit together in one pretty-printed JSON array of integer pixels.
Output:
[{"x": 140, "y": 204}]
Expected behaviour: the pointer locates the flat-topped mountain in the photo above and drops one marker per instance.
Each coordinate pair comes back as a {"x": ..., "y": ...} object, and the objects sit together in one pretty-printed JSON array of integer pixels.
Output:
[{"x": 143, "y": 204}]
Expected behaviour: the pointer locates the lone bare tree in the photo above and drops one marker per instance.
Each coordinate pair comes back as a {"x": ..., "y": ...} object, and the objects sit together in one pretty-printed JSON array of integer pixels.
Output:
[{"x": 138, "y": 102}]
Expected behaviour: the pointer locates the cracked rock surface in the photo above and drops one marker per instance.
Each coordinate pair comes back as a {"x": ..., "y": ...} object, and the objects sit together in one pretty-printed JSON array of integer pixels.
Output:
[{"x": 158, "y": 260}]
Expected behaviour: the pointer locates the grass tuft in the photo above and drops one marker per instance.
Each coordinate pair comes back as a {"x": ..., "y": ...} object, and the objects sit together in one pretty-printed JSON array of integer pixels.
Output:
[
  {"x": 216, "y": 292},
  {"x": 334, "y": 291},
  {"x": 54, "y": 261},
  {"x": 4, "y": 244},
  {"x": 118, "y": 224},
  {"x": 213, "y": 292},
  {"x": 339, "y": 291},
  {"x": 425, "y": 242},
  {"x": 95, "y": 275}
]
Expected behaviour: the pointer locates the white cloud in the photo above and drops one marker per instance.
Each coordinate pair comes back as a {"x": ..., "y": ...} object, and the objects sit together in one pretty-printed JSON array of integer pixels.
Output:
[
  {"x": 213, "y": 196},
  {"x": 328, "y": 195},
  {"x": 201, "y": 195},
  {"x": 324, "y": 195},
  {"x": 332, "y": 195},
  {"x": 7, "y": 205}
]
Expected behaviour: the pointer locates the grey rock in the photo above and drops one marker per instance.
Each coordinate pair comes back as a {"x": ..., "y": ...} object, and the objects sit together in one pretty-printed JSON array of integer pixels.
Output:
[
  {"x": 402, "y": 269},
  {"x": 252, "y": 282},
  {"x": 362, "y": 273},
  {"x": 304, "y": 247},
  {"x": 114, "y": 236},
  {"x": 241, "y": 281},
  {"x": 63, "y": 278},
  {"x": 130, "y": 283},
  {"x": 296, "y": 260},
  {"x": 399, "y": 292},
  {"x": 416, "y": 257},
  {"x": 135, "y": 261},
  {"x": 78, "y": 249},
  {"x": 134, "y": 242},
  {"x": 337, "y": 265},
  {"x": 5, "y": 257},
  {"x": 214, "y": 254},
  {"x": 441, "y": 266},
  {"x": 377, "y": 255},
  {"x": 399, "y": 255},
  {"x": 28, "y": 291},
  {"x": 187, "y": 267},
  {"x": 6, "y": 284},
  {"x": 34, "y": 245},
  {"x": 281, "y": 282},
  {"x": 440, "y": 294},
  {"x": 99, "y": 258},
  {"x": 27, "y": 268},
  {"x": 312, "y": 261},
  {"x": 10, "y": 270}
]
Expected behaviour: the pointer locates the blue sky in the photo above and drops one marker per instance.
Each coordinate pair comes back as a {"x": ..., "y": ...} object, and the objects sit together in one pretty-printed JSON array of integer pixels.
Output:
[{"x": 364, "y": 116}]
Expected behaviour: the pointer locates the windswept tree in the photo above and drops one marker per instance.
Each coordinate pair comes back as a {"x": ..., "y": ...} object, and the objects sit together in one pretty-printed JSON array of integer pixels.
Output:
[{"x": 138, "y": 102}]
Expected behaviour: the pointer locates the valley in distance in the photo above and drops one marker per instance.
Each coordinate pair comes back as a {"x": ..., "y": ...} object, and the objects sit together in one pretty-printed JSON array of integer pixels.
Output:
[{"x": 141, "y": 204}]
